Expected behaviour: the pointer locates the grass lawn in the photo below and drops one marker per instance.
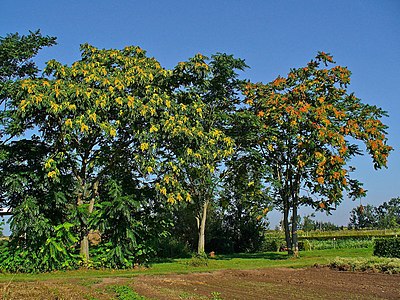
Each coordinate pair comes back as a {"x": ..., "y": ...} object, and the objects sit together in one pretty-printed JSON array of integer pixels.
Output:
[{"x": 221, "y": 262}]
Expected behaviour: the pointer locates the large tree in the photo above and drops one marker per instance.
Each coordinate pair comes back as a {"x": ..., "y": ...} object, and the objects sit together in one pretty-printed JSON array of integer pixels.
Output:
[
  {"x": 306, "y": 127},
  {"x": 97, "y": 118}
]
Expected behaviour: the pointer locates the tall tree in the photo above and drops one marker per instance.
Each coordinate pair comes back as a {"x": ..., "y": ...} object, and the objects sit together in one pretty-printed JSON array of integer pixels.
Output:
[
  {"x": 204, "y": 94},
  {"x": 306, "y": 129},
  {"x": 96, "y": 116}
]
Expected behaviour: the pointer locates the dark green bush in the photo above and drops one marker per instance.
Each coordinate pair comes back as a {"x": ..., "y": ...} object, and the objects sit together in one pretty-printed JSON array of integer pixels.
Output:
[
  {"x": 389, "y": 247},
  {"x": 198, "y": 260},
  {"x": 272, "y": 244},
  {"x": 171, "y": 247}
]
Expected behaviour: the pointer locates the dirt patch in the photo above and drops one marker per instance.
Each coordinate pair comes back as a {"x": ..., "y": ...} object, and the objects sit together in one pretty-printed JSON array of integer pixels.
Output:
[
  {"x": 272, "y": 283},
  {"x": 311, "y": 283}
]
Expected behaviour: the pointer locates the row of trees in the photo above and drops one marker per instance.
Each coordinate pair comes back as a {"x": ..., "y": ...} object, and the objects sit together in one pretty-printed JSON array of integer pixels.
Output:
[
  {"x": 384, "y": 216},
  {"x": 307, "y": 223},
  {"x": 109, "y": 143}
]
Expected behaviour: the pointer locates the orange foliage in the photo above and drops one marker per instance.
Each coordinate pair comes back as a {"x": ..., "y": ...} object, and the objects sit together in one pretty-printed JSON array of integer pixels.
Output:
[{"x": 278, "y": 81}]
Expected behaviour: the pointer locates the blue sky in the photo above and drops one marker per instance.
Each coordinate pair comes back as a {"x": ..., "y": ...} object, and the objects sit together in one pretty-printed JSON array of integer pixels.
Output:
[{"x": 272, "y": 36}]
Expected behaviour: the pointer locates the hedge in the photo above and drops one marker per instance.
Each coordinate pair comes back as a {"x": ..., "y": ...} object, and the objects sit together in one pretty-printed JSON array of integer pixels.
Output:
[{"x": 389, "y": 247}]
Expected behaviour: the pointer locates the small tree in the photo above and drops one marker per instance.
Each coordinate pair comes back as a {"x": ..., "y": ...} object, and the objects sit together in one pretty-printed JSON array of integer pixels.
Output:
[
  {"x": 362, "y": 217},
  {"x": 244, "y": 203},
  {"x": 388, "y": 214},
  {"x": 305, "y": 129}
]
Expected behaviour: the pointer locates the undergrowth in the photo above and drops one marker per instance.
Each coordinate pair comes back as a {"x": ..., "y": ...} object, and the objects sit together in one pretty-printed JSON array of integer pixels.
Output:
[
  {"x": 372, "y": 264},
  {"x": 124, "y": 292}
]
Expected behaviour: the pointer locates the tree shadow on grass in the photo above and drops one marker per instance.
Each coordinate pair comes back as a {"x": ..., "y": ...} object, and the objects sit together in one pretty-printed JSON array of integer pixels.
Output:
[
  {"x": 262, "y": 255},
  {"x": 258, "y": 255}
]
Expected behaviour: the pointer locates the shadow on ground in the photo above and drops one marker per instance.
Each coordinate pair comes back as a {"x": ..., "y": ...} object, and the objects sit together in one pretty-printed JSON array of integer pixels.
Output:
[{"x": 263, "y": 255}]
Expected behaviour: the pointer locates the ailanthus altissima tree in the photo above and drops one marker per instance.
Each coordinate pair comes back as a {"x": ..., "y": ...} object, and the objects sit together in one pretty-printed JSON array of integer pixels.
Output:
[
  {"x": 96, "y": 116},
  {"x": 205, "y": 93},
  {"x": 305, "y": 127}
]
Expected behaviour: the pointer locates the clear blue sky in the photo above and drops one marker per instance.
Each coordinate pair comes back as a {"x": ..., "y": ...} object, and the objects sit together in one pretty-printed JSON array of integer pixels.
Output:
[{"x": 272, "y": 36}]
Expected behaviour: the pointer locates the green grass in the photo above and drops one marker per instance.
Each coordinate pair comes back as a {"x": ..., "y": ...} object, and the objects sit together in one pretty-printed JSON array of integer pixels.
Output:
[
  {"x": 221, "y": 262},
  {"x": 124, "y": 292}
]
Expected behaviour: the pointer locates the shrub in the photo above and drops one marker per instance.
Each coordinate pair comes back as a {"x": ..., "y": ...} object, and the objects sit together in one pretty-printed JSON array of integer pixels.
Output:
[
  {"x": 53, "y": 252},
  {"x": 389, "y": 247},
  {"x": 198, "y": 260},
  {"x": 124, "y": 292},
  {"x": 345, "y": 243},
  {"x": 374, "y": 264},
  {"x": 272, "y": 244},
  {"x": 171, "y": 247},
  {"x": 305, "y": 245}
]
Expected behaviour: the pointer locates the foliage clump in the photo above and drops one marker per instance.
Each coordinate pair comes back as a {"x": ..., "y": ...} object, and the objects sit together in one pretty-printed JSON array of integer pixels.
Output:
[
  {"x": 198, "y": 260},
  {"x": 375, "y": 264},
  {"x": 388, "y": 247}
]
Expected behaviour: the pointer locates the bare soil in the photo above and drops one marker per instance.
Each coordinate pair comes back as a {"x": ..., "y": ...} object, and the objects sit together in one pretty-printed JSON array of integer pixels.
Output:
[{"x": 271, "y": 283}]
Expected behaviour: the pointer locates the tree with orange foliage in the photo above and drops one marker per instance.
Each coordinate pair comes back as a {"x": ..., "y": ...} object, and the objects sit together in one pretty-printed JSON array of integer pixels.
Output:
[{"x": 305, "y": 128}]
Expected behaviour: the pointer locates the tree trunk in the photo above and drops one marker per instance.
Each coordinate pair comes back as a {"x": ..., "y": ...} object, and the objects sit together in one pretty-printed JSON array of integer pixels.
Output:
[
  {"x": 286, "y": 225},
  {"x": 201, "y": 225},
  {"x": 84, "y": 249},
  {"x": 84, "y": 242},
  {"x": 295, "y": 189},
  {"x": 295, "y": 245}
]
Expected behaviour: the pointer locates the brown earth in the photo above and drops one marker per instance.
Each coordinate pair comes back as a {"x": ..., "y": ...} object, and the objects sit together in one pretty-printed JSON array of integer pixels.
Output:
[{"x": 272, "y": 283}]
